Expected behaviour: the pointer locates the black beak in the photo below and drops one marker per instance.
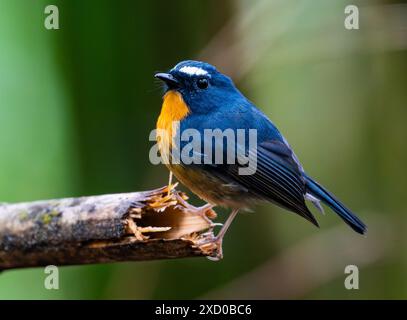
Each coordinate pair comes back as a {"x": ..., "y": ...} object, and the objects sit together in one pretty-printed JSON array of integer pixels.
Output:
[{"x": 169, "y": 80}]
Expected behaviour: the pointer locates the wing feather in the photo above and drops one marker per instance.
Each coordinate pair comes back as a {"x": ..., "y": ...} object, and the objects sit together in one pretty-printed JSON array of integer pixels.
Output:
[{"x": 276, "y": 179}]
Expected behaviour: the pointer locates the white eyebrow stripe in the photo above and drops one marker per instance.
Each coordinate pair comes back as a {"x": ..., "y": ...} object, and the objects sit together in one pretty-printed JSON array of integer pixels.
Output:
[{"x": 193, "y": 71}]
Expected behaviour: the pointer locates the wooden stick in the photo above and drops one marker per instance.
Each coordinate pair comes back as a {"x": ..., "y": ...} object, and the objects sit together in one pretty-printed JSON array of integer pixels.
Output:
[{"x": 156, "y": 224}]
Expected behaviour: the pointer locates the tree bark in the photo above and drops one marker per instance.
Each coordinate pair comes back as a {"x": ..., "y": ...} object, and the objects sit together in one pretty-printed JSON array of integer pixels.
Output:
[{"x": 156, "y": 224}]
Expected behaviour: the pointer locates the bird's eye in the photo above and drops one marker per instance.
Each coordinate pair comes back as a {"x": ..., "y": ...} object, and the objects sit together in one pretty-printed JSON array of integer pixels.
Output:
[{"x": 202, "y": 83}]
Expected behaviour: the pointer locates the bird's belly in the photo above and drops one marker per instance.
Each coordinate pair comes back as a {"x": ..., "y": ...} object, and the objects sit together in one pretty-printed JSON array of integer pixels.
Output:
[{"x": 211, "y": 188}]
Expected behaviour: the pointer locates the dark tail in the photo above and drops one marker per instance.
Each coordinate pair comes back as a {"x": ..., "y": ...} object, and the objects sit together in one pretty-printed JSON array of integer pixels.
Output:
[{"x": 326, "y": 197}]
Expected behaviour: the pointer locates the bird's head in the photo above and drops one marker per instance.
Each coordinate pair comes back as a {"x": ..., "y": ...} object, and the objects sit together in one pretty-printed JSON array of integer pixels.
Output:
[{"x": 201, "y": 85}]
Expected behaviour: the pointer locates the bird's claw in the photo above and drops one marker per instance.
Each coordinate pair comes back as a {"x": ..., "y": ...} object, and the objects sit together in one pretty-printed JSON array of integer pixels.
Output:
[
  {"x": 217, "y": 252},
  {"x": 201, "y": 211}
]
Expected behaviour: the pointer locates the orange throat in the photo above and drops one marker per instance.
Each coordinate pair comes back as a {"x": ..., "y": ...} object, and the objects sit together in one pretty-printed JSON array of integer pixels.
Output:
[{"x": 173, "y": 110}]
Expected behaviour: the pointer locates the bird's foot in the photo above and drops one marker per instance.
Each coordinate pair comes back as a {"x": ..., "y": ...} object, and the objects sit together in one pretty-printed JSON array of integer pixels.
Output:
[
  {"x": 217, "y": 241},
  {"x": 204, "y": 211},
  {"x": 219, "y": 250},
  {"x": 213, "y": 244}
]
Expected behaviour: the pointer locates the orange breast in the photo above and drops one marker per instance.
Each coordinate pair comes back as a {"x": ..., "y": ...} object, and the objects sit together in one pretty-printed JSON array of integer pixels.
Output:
[{"x": 173, "y": 109}]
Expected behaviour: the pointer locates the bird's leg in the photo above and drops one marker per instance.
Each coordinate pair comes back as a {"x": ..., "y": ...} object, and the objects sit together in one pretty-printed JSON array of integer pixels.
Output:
[
  {"x": 219, "y": 237},
  {"x": 226, "y": 225},
  {"x": 169, "y": 183}
]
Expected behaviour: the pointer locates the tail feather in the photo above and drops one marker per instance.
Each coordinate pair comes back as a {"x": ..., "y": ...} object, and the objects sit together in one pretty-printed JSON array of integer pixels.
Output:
[{"x": 329, "y": 199}]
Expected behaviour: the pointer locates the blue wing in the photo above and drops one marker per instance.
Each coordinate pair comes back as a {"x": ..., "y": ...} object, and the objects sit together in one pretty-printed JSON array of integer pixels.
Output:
[{"x": 277, "y": 178}]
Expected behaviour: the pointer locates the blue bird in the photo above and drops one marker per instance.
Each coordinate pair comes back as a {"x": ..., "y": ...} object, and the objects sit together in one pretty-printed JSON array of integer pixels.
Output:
[{"x": 199, "y": 97}]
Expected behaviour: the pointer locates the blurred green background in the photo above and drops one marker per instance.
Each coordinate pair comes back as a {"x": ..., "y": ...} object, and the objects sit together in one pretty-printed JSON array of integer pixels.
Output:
[{"x": 77, "y": 105}]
